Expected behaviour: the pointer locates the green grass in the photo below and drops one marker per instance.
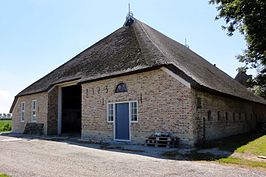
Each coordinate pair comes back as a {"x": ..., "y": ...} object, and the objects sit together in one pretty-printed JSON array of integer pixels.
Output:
[
  {"x": 242, "y": 162},
  {"x": 5, "y": 125},
  {"x": 256, "y": 147},
  {"x": 251, "y": 144},
  {"x": 3, "y": 175}
]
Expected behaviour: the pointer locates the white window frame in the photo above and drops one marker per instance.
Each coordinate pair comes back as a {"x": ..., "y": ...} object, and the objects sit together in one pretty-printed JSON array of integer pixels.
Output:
[
  {"x": 22, "y": 111},
  {"x": 33, "y": 110},
  {"x": 130, "y": 111},
  {"x": 107, "y": 115}
]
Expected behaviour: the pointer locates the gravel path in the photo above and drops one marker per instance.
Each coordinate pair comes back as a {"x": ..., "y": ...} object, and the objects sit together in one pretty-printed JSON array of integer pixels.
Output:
[{"x": 21, "y": 157}]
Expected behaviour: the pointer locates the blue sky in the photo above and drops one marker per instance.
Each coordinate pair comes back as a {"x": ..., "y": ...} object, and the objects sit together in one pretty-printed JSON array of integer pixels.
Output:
[{"x": 36, "y": 36}]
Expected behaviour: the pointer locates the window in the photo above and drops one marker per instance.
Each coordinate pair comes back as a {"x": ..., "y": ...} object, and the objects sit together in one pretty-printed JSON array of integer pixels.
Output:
[
  {"x": 199, "y": 103},
  {"x": 234, "y": 116},
  {"x": 110, "y": 113},
  {"x": 209, "y": 115},
  {"x": 134, "y": 111},
  {"x": 22, "y": 111},
  {"x": 218, "y": 115},
  {"x": 226, "y": 116},
  {"x": 240, "y": 116},
  {"x": 122, "y": 87},
  {"x": 33, "y": 111}
]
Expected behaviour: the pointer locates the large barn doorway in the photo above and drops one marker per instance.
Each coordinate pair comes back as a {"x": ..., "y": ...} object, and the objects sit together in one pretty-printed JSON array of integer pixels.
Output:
[{"x": 71, "y": 110}]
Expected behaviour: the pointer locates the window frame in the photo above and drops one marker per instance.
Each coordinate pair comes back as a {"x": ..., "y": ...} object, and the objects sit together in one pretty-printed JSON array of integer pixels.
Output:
[
  {"x": 113, "y": 115},
  {"x": 123, "y": 88},
  {"x": 22, "y": 118},
  {"x": 131, "y": 114},
  {"x": 130, "y": 103},
  {"x": 34, "y": 110}
]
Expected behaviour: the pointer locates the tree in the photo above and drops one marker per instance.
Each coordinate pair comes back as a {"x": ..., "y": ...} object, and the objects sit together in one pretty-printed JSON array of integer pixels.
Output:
[{"x": 248, "y": 17}]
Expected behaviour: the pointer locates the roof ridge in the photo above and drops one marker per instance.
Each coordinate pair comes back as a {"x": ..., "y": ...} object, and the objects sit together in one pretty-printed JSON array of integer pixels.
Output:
[
  {"x": 139, "y": 43},
  {"x": 148, "y": 36}
]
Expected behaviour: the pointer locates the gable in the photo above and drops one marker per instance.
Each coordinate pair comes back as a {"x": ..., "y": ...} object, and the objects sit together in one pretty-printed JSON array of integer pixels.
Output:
[{"x": 136, "y": 48}]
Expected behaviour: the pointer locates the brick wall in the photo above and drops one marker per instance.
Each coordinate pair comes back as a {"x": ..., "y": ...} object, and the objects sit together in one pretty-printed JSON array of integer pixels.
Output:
[
  {"x": 227, "y": 116},
  {"x": 52, "y": 112},
  {"x": 165, "y": 105},
  {"x": 260, "y": 111},
  {"x": 42, "y": 102}
]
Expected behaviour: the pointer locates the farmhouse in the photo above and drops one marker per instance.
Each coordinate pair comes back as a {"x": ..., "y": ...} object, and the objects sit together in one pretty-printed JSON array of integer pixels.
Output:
[{"x": 133, "y": 83}]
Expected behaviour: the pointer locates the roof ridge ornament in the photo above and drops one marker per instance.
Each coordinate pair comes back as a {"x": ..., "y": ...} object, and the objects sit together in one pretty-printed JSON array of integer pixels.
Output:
[{"x": 129, "y": 19}]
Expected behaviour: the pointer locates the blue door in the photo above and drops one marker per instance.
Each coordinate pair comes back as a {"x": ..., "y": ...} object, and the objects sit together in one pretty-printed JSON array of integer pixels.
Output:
[{"x": 122, "y": 121}]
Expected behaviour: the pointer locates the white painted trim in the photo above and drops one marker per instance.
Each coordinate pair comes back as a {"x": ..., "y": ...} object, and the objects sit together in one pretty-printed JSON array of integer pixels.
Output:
[
  {"x": 114, "y": 121},
  {"x": 59, "y": 111},
  {"x": 59, "y": 101},
  {"x": 51, "y": 88},
  {"x": 64, "y": 84},
  {"x": 131, "y": 112},
  {"x": 36, "y": 104},
  {"x": 129, "y": 122},
  {"x": 178, "y": 78},
  {"x": 107, "y": 113},
  {"x": 23, "y": 102},
  {"x": 121, "y": 102},
  {"x": 129, "y": 117}
]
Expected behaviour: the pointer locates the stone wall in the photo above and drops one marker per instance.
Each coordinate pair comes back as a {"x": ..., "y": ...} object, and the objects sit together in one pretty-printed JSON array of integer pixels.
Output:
[
  {"x": 227, "y": 116},
  {"x": 260, "y": 111},
  {"x": 164, "y": 105},
  {"x": 42, "y": 102},
  {"x": 52, "y": 112}
]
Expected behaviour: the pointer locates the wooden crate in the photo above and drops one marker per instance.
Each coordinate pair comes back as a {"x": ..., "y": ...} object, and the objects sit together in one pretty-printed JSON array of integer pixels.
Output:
[{"x": 168, "y": 142}]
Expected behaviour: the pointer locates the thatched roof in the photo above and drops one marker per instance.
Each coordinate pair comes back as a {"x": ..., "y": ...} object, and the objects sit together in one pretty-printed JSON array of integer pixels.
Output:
[
  {"x": 139, "y": 47},
  {"x": 243, "y": 78}
]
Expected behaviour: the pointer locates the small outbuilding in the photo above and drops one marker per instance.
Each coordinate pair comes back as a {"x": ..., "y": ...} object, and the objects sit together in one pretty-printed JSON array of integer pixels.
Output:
[{"x": 133, "y": 83}]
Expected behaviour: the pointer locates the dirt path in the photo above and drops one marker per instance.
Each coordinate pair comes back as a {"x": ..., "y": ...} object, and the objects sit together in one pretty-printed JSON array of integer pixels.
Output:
[{"x": 34, "y": 157}]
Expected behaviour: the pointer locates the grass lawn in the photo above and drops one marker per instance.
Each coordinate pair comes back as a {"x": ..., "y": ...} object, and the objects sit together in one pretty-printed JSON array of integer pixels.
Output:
[
  {"x": 252, "y": 144},
  {"x": 3, "y": 175},
  {"x": 242, "y": 162},
  {"x": 5, "y": 125},
  {"x": 256, "y": 147}
]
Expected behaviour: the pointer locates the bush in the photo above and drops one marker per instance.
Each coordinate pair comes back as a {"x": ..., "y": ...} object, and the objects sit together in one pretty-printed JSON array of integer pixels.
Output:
[{"x": 7, "y": 127}]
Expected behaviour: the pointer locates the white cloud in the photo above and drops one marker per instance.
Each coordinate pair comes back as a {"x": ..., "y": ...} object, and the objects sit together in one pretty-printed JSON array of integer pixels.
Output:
[{"x": 5, "y": 101}]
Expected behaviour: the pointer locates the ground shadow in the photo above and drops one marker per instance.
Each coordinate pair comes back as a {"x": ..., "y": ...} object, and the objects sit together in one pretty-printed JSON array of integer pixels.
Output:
[
  {"x": 121, "y": 147},
  {"x": 207, "y": 151},
  {"x": 216, "y": 149}
]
